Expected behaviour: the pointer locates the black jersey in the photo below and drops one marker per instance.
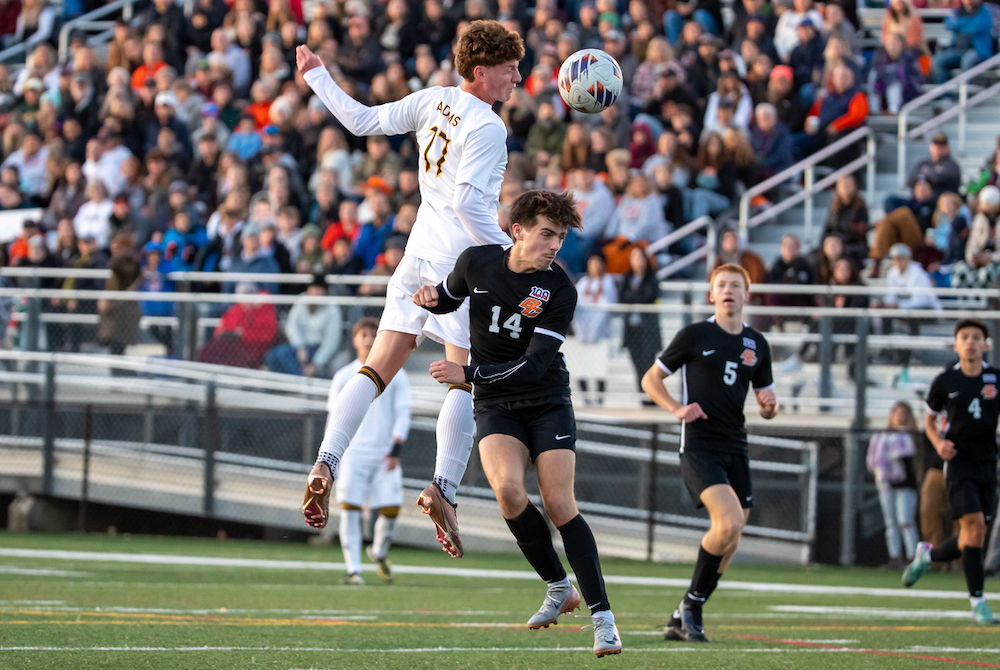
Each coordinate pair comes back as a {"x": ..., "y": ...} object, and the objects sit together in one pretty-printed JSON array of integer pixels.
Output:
[
  {"x": 516, "y": 324},
  {"x": 716, "y": 370},
  {"x": 972, "y": 405}
]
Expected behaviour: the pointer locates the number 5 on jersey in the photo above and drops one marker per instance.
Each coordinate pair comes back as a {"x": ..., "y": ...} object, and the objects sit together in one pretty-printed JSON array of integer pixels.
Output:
[
  {"x": 436, "y": 134},
  {"x": 513, "y": 324},
  {"x": 729, "y": 376}
]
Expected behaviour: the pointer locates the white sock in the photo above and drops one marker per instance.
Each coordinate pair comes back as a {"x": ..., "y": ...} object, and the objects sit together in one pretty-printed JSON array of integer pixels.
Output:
[
  {"x": 455, "y": 426},
  {"x": 563, "y": 583},
  {"x": 384, "y": 529},
  {"x": 974, "y": 601},
  {"x": 350, "y": 539},
  {"x": 348, "y": 412}
]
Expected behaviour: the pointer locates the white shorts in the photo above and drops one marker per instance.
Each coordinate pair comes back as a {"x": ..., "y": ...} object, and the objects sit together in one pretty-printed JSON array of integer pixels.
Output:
[
  {"x": 365, "y": 478},
  {"x": 402, "y": 316}
]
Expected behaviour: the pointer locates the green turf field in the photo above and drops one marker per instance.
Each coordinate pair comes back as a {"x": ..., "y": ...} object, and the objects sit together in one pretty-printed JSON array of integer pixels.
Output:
[{"x": 84, "y": 602}]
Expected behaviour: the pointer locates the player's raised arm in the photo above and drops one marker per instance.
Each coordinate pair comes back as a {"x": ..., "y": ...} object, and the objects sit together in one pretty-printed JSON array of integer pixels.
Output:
[{"x": 359, "y": 119}]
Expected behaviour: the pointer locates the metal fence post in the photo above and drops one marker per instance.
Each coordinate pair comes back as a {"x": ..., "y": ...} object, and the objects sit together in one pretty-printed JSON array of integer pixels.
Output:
[
  {"x": 808, "y": 204},
  {"x": 81, "y": 522},
  {"x": 32, "y": 320},
  {"x": 825, "y": 358},
  {"x": 48, "y": 429},
  {"x": 210, "y": 447},
  {"x": 188, "y": 327},
  {"x": 852, "y": 446},
  {"x": 848, "y": 499},
  {"x": 963, "y": 101},
  {"x": 651, "y": 502}
]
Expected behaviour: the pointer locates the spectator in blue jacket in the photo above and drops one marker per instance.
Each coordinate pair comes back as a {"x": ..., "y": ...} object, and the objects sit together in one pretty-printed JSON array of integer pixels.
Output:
[
  {"x": 253, "y": 259},
  {"x": 972, "y": 40},
  {"x": 771, "y": 141}
]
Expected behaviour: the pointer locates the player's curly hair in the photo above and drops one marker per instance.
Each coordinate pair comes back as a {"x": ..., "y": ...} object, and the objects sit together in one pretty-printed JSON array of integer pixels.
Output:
[
  {"x": 558, "y": 207},
  {"x": 731, "y": 267},
  {"x": 486, "y": 43}
]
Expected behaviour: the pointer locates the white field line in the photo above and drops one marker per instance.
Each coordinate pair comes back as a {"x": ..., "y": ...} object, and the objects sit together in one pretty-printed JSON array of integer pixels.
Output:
[
  {"x": 38, "y": 572},
  {"x": 871, "y": 612},
  {"x": 436, "y": 650},
  {"x": 700, "y": 649},
  {"x": 176, "y": 560}
]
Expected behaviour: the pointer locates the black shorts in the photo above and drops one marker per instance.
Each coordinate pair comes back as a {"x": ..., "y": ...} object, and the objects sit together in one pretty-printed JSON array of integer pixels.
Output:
[
  {"x": 541, "y": 424},
  {"x": 969, "y": 495},
  {"x": 702, "y": 468}
]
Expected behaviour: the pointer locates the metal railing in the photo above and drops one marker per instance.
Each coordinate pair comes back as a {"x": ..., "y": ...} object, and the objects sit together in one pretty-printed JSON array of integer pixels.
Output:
[
  {"x": 810, "y": 187},
  {"x": 961, "y": 82},
  {"x": 707, "y": 251},
  {"x": 89, "y": 21}
]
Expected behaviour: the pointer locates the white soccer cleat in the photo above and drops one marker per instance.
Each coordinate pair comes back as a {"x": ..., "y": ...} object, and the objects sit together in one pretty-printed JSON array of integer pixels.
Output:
[
  {"x": 558, "y": 600},
  {"x": 606, "y": 638},
  {"x": 353, "y": 579}
]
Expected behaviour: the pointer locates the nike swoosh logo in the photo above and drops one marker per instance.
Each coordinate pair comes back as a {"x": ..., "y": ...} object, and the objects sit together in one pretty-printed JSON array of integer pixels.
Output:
[
  {"x": 953, "y": 395},
  {"x": 708, "y": 352},
  {"x": 476, "y": 290},
  {"x": 563, "y": 437},
  {"x": 749, "y": 498}
]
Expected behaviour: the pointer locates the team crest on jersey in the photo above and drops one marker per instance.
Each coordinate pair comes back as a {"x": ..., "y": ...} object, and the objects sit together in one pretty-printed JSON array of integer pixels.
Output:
[
  {"x": 532, "y": 305},
  {"x": 749, "y": 357},
  {"x": 749, "y": 343},
  {"x": 989, "y": 391}
]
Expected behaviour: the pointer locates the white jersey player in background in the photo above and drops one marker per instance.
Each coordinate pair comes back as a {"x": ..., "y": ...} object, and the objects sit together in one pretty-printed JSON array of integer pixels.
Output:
[
  {"x": 463, "y": 155},
  {"x": 370, "y": 469}
]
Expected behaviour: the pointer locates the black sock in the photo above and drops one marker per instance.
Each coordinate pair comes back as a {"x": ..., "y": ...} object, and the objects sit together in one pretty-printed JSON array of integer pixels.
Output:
[
  {"x": 581, "y": 551},
  {"x": 706, "y": 573},
  {"x": 711, "y": 587},
  {"x": 535, "y": 541},
  {"x": 972, "y": 565},
  {"x": 946, "y": 551}
]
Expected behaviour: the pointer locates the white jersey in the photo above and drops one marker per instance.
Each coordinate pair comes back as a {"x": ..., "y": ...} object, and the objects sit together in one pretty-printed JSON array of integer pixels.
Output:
[
  {"x": 388, "y": 417},
  {"x": 460, "y": 141}
]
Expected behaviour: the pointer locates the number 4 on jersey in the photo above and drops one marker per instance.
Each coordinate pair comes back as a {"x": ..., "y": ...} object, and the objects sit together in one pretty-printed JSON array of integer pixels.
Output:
[
  {"x": 513, "y": 324},
  {"x": 975, "y": 409}
]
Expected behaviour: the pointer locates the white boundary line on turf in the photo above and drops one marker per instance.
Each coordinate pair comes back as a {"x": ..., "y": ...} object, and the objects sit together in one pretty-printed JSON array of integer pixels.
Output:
[
  {"x": 871, "y": 612},
  {"x": 436, "y": 650},
  {"x": 265, "y": 564}
]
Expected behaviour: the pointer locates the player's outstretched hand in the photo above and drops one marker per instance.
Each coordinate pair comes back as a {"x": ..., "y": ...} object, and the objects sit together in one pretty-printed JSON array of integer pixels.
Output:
[
  {"x": 768, "y": 403},
  {"x": 691, "y": 412},
  {"x": 426, "y": 296},
  {"x": 447, "y": 372},
  {"x": 305, "y": 59},
  {"x": 946, "y": 450},
  {"x": 391, "y": 462}
]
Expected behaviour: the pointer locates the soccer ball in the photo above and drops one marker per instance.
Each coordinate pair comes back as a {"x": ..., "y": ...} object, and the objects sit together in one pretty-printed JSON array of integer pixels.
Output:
[{"x": 590, "y": 81}]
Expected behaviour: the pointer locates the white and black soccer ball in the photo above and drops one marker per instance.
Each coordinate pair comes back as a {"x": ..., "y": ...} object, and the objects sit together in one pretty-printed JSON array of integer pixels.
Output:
[{"x": 590, "y": 81}]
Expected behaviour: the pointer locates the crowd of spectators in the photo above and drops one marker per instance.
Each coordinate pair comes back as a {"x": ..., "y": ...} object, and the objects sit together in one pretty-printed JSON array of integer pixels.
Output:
[{"x": 196, "y": 144}]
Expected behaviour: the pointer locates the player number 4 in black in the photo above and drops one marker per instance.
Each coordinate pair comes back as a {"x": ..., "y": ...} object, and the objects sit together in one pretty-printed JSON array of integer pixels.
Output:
[{"x": 435, "y": 133}]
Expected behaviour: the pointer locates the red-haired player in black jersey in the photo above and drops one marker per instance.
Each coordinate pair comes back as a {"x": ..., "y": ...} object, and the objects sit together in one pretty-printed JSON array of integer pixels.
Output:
[{"x": 718, "y": 360}]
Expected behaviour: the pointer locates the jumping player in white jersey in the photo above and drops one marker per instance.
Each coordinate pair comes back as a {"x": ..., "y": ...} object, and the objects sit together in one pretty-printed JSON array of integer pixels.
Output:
[
  {"x": 370, "y": 469},
  {"x": 463, "y": 155}
]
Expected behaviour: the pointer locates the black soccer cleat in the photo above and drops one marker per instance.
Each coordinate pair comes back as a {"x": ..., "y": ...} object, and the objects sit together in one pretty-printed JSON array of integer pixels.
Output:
[
  {"x": 672, "y": 631},
  {"x": 692, "y": 629}
]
